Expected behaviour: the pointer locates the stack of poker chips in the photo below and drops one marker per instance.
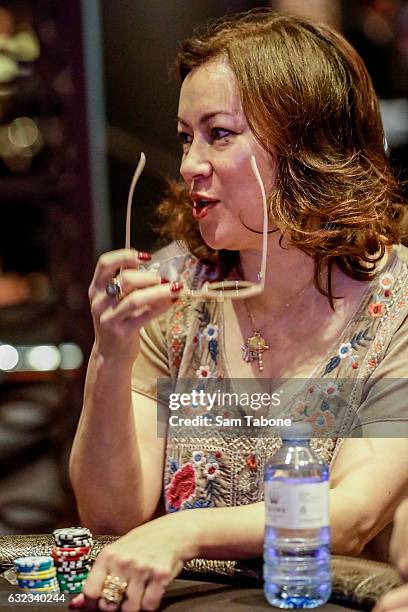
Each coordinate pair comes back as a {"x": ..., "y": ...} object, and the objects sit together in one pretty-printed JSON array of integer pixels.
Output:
[
  {"x": 36, "y": 574},
  {"x": 72, "y": 557}
]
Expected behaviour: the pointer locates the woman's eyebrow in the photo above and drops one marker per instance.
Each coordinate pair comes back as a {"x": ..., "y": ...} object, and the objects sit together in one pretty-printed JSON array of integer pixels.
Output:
[{"x": 207, "y": 116}]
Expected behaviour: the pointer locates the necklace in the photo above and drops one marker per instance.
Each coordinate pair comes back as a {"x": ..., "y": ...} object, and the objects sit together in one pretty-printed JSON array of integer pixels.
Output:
[{"x": 256, "y": 345}]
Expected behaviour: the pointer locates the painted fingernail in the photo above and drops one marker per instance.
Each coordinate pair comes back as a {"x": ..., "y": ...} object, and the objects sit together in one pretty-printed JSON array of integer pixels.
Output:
[
  {"x": 143, "y": 256},
  {"x": 176, "y": 286},
  {"x": 164, "y": 280}
]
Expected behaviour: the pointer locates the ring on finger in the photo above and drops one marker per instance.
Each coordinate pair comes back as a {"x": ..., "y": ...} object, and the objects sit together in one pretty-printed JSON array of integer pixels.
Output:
[
  {"x": 114, "y": 589},
  {"x": 114, "y": 288}
]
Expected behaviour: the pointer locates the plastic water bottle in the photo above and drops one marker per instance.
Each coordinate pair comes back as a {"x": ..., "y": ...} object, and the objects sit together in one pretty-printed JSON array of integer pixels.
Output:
[{"x": 297, "y": 533}]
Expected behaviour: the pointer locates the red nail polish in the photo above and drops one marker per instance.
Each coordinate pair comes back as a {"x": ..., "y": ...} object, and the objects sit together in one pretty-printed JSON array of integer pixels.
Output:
[
  {"x": 164, "y": 280},
  {"x": 143, "y": 256},
  {"x": 176, "y": 286}
]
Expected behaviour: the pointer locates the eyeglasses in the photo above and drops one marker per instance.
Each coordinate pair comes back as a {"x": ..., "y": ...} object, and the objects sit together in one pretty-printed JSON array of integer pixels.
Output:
[{"x": 210, "y": 290}]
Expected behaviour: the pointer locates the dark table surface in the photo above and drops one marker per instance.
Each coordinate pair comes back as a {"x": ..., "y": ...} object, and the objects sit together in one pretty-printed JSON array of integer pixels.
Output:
[{"x": 182, "y": 595}]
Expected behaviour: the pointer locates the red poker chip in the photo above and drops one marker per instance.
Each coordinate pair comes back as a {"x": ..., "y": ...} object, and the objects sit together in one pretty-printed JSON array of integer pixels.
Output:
[
  {"x": 66, "y": 550},
  {"x": 66, "y": 559}
]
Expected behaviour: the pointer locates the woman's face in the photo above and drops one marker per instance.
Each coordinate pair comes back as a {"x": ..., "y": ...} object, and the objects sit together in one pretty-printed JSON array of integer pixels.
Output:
[{"x": 217, "y": 146}]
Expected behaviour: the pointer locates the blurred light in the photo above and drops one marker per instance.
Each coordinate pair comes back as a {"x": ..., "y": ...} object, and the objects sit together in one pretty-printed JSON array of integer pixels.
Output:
[
  {"x": 23, "y": 132},
  {"x": 25, "y": 46},
  {"x": 8, "y": 69},
  {"x": 71, "y": 356},
  {"x": 8, "y": 357},
  {"x": 44, "y": 358}
]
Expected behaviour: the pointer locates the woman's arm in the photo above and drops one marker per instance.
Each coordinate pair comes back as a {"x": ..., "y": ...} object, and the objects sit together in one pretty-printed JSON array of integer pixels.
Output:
[
  {"x": 369, "y": 479},
  {"x": 397, "y": 599},
  {"x": 116, "y": 462}
]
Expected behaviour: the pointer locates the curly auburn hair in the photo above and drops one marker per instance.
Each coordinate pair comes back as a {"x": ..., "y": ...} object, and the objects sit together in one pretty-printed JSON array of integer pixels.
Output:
[{"x": 310, "y": 102}]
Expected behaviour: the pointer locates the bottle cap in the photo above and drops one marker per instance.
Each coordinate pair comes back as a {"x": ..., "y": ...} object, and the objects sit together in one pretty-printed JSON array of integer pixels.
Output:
[{"x": 299, "y": 430}]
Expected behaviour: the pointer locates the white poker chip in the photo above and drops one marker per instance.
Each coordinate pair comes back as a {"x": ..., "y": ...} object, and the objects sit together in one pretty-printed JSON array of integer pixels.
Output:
[
  {"x": 71, "y": 531},
  {"x": 74, "y": 543}
]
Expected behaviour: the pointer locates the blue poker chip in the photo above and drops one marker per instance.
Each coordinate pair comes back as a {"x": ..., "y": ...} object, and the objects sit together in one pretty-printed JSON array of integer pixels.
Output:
[
  {"x": 38, "y": 584},
  {"x": 33, "y": 564}
]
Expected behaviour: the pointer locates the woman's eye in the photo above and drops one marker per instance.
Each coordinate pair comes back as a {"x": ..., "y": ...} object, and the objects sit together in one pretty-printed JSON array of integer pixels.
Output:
[
  {"x": 184, "y": 138},
  {"x": 220, "y": 133}
]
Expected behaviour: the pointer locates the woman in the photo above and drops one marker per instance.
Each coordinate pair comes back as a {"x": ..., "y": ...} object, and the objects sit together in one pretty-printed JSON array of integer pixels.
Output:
[{"x": 297, "y": 97}]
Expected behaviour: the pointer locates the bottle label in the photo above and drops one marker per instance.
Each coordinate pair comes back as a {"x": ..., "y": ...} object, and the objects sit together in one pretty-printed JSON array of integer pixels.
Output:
[{"x": 297, "y": 506}]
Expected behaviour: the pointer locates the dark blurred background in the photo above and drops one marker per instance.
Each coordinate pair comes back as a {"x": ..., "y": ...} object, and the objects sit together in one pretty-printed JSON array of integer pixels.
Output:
[{"x": 84, "y": 87}]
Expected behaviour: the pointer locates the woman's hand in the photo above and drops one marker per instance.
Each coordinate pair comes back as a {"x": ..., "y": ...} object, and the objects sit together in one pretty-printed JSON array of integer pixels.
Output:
[
  {"x": 394, "y": 601},
  {"x": 147, "y": 558},
  {"x": 143, "y": 297}
]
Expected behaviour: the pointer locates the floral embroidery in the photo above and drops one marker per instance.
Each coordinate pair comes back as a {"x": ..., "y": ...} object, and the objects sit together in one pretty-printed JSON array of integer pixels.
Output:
[
  {"x": 211, "y": 470},
  {"x": 345, "y": 350},
  {"x": 198, "y": 458},
  {"x": 182, "y": 486},
  {"x": 208, "y": 332},
  {"x": 322, "y": 421},
  {"x": 313, "y": 389},
  {"x": 223, "y": 475},
  {"x": 330, "y": 389},
  {"x": 176, "y": 345},
  {"x": 251, "y": 462},
  {"x": 375, "y": 310},
  {"x": 372, "y": 363},
  {"x": 204, "y": 371},
  {"x": 386, "y": 280},
  {"x": 301, "y": 409},
  {"x": 199, "y": 503},
  {"x": 211, "y": 331},
  {"x": 173, "y": 465},
  {"x": 348, "y": 349},
  {"x": 213, "y": 349}
]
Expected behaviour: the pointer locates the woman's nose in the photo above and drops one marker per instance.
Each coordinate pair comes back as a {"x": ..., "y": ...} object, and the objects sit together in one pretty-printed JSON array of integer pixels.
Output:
[{"x": 195, "y": 163}]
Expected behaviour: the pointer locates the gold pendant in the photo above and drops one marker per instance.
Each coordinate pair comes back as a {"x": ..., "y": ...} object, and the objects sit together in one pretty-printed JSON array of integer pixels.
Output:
[{"x": 253, "y": 349}]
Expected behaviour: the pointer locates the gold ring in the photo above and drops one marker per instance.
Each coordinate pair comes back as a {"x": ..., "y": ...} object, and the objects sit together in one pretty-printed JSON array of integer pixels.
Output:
[{"x": 114, "y": 589}]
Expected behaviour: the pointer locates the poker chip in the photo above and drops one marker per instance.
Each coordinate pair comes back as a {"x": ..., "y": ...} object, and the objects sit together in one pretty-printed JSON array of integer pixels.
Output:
[
  {"x": 73, "y": 564},
  {"x": 36, "y": 574},
  {"x": 38, "y": 584},
  {"x": 46, "y": 590},
  {"x": 69, "y": 552},
  {"x": 72, "y": 557},
  {"x": 30, "y": 564},
  {"x": 71, "y": 532},
  {"x": 51, "y": 573}
]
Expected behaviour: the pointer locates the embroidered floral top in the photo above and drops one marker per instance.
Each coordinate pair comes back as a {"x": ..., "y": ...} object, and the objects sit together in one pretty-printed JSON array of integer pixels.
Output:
[{"x": 366, "y": 367}]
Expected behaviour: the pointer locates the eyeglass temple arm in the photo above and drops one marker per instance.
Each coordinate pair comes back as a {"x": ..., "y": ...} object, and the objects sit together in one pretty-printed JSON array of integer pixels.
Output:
[
  {"x": 265, "y": 221},
  {"x": 138, "y": 172}
]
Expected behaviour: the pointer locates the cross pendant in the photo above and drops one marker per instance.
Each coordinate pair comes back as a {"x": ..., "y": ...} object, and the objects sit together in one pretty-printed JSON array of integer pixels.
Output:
[{"x": 254, "y": 348}]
